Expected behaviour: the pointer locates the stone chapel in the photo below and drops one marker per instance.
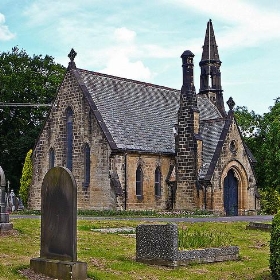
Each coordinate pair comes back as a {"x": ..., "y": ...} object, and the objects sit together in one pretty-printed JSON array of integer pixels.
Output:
[{"x": 133, "y": 145}]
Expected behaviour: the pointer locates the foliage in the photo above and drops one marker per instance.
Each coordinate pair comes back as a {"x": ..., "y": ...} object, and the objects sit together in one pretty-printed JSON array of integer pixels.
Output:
[
  {"x": 144, "y": 213},
  {"x": 274, "y": 260},
  {"x": 104, "y": 263},
  {"x": 262, "y": 136},
  {"x": 249, "y": 122},
  {"x": 24, "y": 79},
  {"x": 270, "y": 201},
  {"x": 26, "y": 177},
  {"x": 195, "y": 239},
  {"x": 269, "y": 152}
]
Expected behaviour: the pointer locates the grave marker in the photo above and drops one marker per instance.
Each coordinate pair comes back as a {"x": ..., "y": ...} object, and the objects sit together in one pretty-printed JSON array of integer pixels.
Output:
[
  {"x": 5, "y": 224},
  {"x": 58, "y": 255}
]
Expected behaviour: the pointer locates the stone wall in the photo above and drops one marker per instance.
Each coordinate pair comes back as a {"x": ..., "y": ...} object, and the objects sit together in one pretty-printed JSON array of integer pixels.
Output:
[
  {"x": 233, "y": 156},
  {"x": 86, "y": 130},
  {"x": 127, "y": 177}
]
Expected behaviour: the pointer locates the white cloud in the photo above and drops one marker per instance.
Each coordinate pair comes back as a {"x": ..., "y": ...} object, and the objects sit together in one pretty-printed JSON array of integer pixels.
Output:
[
  {"x": 5, "y": 33},
  {"x": 120, "y": 65},
  {"x": 247, "y": 24},
  {"x": 124, "y": 35},
  {"x": 120, "y": 60},
  {"x": 41, "y": 12}
]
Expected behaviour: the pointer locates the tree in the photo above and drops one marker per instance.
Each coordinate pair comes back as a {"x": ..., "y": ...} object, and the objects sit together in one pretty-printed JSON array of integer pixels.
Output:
[
  {"x": 250, "y": 126},
  {"x": 24, "y": 79},
  {"x": 269, "y": 149},
  {"x": 262, "y": 136},
  {"x": 26, "y": 177},
  {"x": 248, "y": 122}
]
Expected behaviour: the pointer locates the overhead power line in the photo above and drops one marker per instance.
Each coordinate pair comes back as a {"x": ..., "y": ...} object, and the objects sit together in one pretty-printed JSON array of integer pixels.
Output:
[{"x": 7, "y": 104}]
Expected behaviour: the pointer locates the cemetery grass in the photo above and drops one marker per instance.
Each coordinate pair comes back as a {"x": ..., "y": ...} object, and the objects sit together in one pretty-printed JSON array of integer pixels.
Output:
[{"x": 112, "y": 256}]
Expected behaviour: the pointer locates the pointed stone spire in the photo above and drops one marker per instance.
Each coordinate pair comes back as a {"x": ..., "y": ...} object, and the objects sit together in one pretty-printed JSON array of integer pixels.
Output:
[
  {"x": 210, "y": 76},
  {"x": 210, "y": 48}
]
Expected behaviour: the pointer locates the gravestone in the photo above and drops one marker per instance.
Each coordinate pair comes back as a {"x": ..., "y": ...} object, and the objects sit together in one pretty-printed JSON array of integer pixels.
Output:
[
  {"x": 5, "y": 224},
  {"x": 157, "y": 244},
  {"x": 58, "y": 254}
]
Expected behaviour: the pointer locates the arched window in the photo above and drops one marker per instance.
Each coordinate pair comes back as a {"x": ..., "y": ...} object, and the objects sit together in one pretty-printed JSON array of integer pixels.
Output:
[
  {"x": 51, "y": 158},
  {"x": 139, "y": 181},
  {"x": 69, "y": 138},
  {"x": 157, "y": 182},
  {"x": 90, "y": 120},
  {"x": 86, "y": 165}
]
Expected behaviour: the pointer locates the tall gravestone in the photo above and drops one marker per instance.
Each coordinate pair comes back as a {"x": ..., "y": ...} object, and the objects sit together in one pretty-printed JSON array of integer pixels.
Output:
[
  {"x": 5, "y": 224},
  {"x": 58, "y": 255}
]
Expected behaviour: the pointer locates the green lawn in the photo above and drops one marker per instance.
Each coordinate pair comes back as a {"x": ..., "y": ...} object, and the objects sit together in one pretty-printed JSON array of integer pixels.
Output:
[{"x": 112, "y": 256}]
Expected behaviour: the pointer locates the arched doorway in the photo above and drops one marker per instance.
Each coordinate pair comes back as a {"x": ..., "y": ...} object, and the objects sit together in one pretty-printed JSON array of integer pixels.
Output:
[{"x": 231, "y": 194}]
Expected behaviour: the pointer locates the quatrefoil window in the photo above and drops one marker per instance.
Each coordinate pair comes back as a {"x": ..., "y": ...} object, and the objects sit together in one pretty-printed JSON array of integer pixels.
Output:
[{"x": 233, "y": 146}]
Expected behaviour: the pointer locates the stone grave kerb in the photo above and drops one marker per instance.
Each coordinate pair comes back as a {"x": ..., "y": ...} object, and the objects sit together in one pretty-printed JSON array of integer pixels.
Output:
[{"x": 58, "y": 254}]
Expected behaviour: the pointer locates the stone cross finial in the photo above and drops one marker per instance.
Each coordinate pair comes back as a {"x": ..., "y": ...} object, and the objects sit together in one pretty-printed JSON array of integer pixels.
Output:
[
  {"x": 230, "y": 103},
  {"x": 72, "y": 55}
]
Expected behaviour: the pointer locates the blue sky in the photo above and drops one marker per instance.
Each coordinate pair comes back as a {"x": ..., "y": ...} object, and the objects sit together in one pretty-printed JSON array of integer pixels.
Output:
[{"x": 144, "y": 39}]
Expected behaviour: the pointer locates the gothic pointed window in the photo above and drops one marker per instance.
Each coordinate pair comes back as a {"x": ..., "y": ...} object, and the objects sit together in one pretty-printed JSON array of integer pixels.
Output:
[
  {"x": 69, "y": 138},
  {"x": 139, "y": 182},
  {"x": 86, "y": 166},
  {"x": 157, "y": 182},
  {"x": 51, "y": 158},
  {"x": 90, "y": 122}
]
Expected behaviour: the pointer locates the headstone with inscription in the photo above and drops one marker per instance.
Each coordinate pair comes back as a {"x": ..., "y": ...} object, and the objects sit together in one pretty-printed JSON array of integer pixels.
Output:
[
  {"x": 58, "y": 255},
  {"x": 5, "y": 224}
]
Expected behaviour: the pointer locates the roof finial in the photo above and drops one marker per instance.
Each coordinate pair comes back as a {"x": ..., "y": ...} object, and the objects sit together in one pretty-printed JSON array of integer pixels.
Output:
[
  {"x": 230, "y": 103},
  {"x": 72, "y": 56}
]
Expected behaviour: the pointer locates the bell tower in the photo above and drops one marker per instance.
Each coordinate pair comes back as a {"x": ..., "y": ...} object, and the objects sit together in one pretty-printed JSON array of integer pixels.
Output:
[{"x": 210, "y": 76}]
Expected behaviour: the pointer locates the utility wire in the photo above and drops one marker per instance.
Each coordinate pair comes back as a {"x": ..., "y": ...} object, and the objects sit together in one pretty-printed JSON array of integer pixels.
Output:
[{"x": 7, "y": 104}]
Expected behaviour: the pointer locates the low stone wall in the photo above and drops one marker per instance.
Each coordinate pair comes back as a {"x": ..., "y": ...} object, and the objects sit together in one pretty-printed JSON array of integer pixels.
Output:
[
  {"x": 208, "y": 255},
  {"x": 158, "y": 244}
]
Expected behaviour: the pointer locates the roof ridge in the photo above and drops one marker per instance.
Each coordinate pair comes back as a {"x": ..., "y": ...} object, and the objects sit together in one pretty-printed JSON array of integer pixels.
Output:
[{"x": 129, "y": 80}]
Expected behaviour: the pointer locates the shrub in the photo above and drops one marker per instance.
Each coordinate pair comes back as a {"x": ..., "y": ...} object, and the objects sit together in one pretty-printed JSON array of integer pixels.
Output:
[
  {"x": 26, "y": 177},
  {"x": 274, "y": 261},
  {"x": 270, "y": 201}
]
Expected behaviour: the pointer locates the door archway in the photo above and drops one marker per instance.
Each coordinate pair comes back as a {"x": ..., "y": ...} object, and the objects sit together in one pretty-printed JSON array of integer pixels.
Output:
[{"x": 231, "y": 194}]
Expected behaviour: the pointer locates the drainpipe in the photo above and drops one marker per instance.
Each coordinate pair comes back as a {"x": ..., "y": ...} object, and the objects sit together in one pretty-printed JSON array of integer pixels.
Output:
[
  {"x": 205, "y": 197},
  {"x": 125, "y": 181}
]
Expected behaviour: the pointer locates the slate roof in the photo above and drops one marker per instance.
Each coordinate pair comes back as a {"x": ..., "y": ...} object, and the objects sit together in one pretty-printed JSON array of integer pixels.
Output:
[
  {"x": 140, "y": 116},
  {"x": 211, "y": 133}
]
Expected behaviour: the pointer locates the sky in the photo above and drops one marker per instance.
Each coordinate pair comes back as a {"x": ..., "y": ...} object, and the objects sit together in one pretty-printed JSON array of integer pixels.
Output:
[{"x": 144, "y": 39}]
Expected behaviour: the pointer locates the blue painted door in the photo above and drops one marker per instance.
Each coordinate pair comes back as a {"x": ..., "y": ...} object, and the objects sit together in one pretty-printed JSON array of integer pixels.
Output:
[{"x": 231, "y": 194}]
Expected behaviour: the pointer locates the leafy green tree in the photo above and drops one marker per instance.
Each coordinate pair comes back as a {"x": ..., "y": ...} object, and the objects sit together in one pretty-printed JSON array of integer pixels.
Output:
[
  {"x": 26, "y": 177},
  {"x": 250, "y": 125},
  {"x": 262, "y": 135},
  {"x": 269, "y": 149},
  {"x": 24, "y": 79},
  {"x": 248, "y": 122}
]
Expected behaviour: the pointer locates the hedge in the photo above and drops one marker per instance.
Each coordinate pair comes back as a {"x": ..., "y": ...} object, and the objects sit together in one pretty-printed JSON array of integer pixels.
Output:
[{"x": 274, "y": 261}]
